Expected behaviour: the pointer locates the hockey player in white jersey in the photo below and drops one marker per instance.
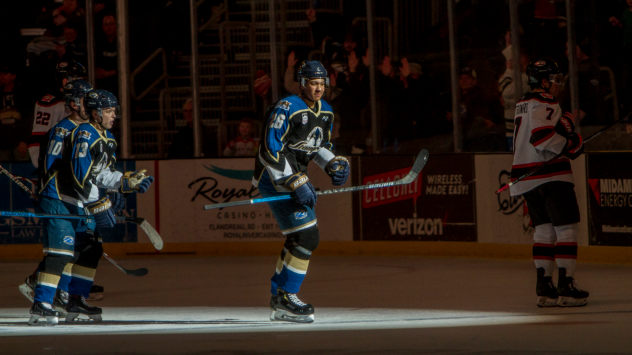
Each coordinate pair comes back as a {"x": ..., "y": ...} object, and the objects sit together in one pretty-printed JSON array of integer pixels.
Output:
[
  {"x": 51, "y": 108},
  {"x": 541, "y": 132}
]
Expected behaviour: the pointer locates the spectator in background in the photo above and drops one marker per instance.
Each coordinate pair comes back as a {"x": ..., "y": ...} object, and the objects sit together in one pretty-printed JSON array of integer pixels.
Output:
[
  {"x": 106, "y": 54},
  {"x": 14, "y": 117},
  {"x": 507, "y": 88},
  {"x": 625, "y": 22},
  {"x": 289, "y": 82},
  {"x": 480, "y": 132},
  {"x": 74, "y": 46},
  {"x": 182, "y": 146},
  {"x": 418, "y": 119},
  {"x": 588, "y": 87},
  {"x": 245, "y": 145},
  {"x": 55, "y": 18}
]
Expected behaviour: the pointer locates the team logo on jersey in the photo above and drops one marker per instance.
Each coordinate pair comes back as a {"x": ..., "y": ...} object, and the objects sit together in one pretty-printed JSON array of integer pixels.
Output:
[
  {"x": 84, "y": 134},
  {"x": 312, "y": 143},
  {"x": 285, "y": 105},
  {"x": 304, "y": 118},
  {"x": 48, "y": 98},
  {"x": 61, "y": 132},
  {"x": 69, "y": 240},
  {"x": 300, "y": 215}
]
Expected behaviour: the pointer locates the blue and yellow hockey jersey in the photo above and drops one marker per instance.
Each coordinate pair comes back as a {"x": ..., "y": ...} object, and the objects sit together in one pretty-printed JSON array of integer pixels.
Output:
[
  {"x": 57, "y": 182},
  {"x": 92, "y": 162},
  {"x": 294, "y": 135}
]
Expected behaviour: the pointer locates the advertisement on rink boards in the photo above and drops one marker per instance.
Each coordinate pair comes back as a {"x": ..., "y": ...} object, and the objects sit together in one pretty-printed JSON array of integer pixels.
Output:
[
  {"x": 504, "y": 219},
  {"x": 610, "y": 194},
  {"x": 30, "y": 230},
  {"x": 437, "y": 206},
  {"x": 185, "y": 186}
]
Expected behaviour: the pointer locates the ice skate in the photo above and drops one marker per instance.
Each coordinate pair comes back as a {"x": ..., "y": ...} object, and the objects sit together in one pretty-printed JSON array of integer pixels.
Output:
[
  {"x": 41, "y": 310},
  {"x": 60, "y": 302},
  {"x": 96, "y": 293},
  {"x": 28, "y": 287},
  {"x": 77, "y": 305},
  {"x": 568, "y": 293},
  {"x": 545, "y": 289},
  {"x": 291, "y": 309}
]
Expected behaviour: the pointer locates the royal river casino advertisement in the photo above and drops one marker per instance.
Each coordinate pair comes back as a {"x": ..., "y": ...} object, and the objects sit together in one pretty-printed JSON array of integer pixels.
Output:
[
  {"x": 610, "y": 195},
  {"x": 186, "y": 186},
  {"x": 437, "y": 206}
]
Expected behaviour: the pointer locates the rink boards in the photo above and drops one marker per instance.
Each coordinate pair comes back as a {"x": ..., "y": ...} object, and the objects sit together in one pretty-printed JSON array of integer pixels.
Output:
[{"x": 452, "y": 201}]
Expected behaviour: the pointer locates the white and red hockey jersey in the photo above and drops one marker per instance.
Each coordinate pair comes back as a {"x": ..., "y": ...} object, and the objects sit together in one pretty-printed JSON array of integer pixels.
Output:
[
  {"x": 535, "y": 142},
  {"x": 49, "y": 110}
]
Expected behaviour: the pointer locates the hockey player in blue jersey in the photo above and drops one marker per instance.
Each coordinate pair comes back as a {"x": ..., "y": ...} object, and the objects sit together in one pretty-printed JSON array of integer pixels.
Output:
[
  {"x": 91, "y": 161},
  {"x": 55, "y": 197},
  {"x": 298, "y": 131}
]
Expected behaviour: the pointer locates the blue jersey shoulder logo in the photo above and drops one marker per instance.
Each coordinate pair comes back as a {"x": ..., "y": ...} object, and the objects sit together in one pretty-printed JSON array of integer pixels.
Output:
[
  {"x": 284, "y": 104},
  {"x": 61, "y": 132},
  {"x": 84, "y": 134}
]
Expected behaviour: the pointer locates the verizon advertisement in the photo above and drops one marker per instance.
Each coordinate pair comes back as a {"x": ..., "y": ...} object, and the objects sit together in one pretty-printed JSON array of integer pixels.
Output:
[
  {"x": 610, "y": 184},
  {"x": 438, "y": 205},
  {"x": 504, "y": 218}
]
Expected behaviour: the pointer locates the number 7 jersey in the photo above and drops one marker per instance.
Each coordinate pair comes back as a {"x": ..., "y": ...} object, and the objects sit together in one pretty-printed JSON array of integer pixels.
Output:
[{"x": 536, "y": 142}]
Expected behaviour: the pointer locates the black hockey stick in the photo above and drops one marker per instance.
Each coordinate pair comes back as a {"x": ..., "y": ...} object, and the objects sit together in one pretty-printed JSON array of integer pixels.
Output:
[
  {"x": 419, "y": 164},
  {"x": 138, "y": 272},
  {"x": 534, "y": 170}
]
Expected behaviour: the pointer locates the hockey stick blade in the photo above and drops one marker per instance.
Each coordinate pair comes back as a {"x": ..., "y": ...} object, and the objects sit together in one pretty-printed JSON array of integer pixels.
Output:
[
  {"x": 420, "y": 162},
  {"x": 153, "y": 235},
  {"x": 138, "y": 272},
  {"x": 535, "y": 169}
]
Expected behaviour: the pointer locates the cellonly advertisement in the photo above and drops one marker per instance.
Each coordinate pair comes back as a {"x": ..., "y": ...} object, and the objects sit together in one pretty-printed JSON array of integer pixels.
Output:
[{"x": 438, "y": 205}]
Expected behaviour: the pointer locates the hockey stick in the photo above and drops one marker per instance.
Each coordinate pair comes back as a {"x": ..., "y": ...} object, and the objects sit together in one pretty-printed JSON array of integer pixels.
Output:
[
  {"x": 153, "y": 235},
  {"x": 18, "y": 182},
  {"x": 419, "y": 164},
  {"x": 138, "y": 272},
  {"x": 534, "y": 170}
]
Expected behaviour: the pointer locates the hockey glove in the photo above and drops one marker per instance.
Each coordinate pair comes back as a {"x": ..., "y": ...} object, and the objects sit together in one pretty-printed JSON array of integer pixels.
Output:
[
  {"x": 565, "y": 125},
  {"x": 338, "y": 169},
  {"x": 576, "y": 147},
  {"x": 304, "y": 193},
  {"x": 102, "y": 212},
  {"x": 118, "y": 201},
  {"x": 135, "y": 182}
]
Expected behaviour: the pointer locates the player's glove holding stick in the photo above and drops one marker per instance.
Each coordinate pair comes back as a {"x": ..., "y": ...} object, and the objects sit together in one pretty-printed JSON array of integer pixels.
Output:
[
  {"x": 304, "y": 193},
  {"x": 136, "y": 182},
  {"x": 338, "y": 169},
  {"x": 566, "y": 127},
  {"x": 102, "y": 212}
]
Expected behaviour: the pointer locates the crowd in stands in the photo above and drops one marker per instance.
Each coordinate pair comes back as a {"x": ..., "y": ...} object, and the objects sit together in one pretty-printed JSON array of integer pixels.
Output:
[{"x": 413, "y": 91}]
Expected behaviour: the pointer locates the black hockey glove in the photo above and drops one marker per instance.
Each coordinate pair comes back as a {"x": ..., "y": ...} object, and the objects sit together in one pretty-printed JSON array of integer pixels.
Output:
[
  {"x": 576, "y": 147},
  {"x": 136, "y": 182},
  {"x": 118, "y": 201},
  {"x": 102, "y": 212},
  {"x": 565, "y": 125},
  {"x": 338, "y": 169},
  {"x": 304, "y": 193}
]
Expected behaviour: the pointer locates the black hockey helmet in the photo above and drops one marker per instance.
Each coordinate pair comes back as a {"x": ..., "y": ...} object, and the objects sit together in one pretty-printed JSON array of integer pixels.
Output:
[
  {"x": 543, "y": 68},
  {"x": 70, "y": 70},
  {"x": 76, "y": 90},
  {"x": 311, "y": 69},
  {"x": 99, "y": 100}
]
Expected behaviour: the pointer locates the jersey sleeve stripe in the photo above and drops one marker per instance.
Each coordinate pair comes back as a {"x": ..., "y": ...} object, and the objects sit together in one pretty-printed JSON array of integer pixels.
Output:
[{"x": 541, "y": 135}]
